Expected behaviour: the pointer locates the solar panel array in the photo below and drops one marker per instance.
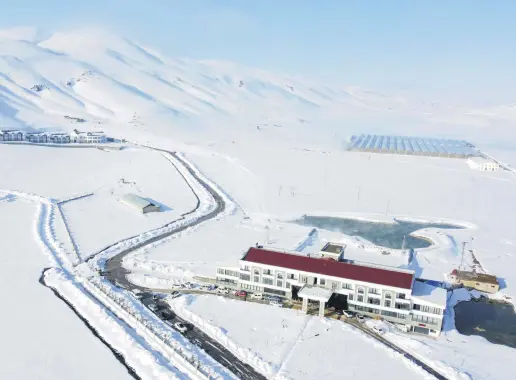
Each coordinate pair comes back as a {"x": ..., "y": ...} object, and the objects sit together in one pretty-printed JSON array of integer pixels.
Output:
[{"x": 416, "y": 146}]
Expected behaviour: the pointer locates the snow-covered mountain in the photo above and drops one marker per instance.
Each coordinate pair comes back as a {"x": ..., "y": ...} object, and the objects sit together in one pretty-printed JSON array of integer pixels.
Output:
[{"x": 47, "y": 79}]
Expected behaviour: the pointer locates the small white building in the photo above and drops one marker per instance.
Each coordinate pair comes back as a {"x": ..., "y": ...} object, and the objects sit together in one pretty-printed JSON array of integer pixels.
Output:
[
  {"x": 138, "y": 203},
  {"x": 88, "y": 137},
  {"x": 483, "y": 164},
  {"x": 11, "y": 135}
]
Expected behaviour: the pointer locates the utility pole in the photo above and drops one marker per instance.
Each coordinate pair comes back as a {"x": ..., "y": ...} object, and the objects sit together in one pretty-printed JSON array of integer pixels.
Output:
[
  {"x": 387, "y": 206},
  {"x": 403, "y": 244},
  {"x": 462, "y": 258},
  {"x": 358, "y": 195}
]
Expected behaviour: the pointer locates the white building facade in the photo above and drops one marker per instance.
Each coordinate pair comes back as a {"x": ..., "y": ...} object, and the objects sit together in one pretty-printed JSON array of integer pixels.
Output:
[
  {"x": 379, "y": 292},
  {"x": 11, "y": 135},
  {"x": 38, "y": 138},
  {"x": 483, "y": 164},
  {"x": 88, "y": 137}
]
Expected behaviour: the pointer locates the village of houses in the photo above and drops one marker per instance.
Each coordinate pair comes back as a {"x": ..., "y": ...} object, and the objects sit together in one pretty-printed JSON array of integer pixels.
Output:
[{"x": 74, "y": 137}]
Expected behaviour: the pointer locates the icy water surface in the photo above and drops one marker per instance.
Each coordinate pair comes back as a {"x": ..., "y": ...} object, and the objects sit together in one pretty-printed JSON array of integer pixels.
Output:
[
  {"x": 495, "y": 321},
  {"x": 382, "y": 234}
]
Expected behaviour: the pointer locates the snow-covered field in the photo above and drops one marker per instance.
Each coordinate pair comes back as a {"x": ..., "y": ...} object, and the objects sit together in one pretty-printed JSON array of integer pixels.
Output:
[
  {"x": 285, "y": 343},
  {"x": 199, "y": 250},
  {"x": 61, "y": 173},
  {"x": 42, "y": 338}
]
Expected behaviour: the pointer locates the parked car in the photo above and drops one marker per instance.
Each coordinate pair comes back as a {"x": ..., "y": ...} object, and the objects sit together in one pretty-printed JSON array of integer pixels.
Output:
[
  {"x": 181, "y": 327},
  {"x": 175, "y": 294},
  {"x": 378, "y": 329},
  {"x": 222, "y": 290},
  {"x": 189, "y": 285},
  {"x": 257, "y": 296},
  {"x": 275, "y": 303},
  {"x": 347, "y": 313},
  {"x": 153, "y": 307},
  {"x": 360, "y": 318},
  {"x": 241, "y": 293},
  {"x": 166, "y": 315},
  {"x": 272, "y": 298}
]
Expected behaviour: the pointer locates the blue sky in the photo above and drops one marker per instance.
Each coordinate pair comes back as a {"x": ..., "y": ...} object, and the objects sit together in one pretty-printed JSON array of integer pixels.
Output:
[{"x": 461, "y": 50}]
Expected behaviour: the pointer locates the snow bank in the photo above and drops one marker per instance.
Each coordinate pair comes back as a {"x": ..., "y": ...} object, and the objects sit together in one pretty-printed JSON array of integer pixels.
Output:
[
  {"x": 179, "y": 306},
  {"x": 136, "y": 355}
]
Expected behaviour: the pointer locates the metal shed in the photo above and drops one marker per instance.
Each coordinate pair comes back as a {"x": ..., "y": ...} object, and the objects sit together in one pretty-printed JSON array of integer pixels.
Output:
[{"x": 139, "y": 203}]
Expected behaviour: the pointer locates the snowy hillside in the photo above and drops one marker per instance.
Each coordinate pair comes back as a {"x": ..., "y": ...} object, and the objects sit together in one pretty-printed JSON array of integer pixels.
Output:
[{"x": 120, "y": 86}]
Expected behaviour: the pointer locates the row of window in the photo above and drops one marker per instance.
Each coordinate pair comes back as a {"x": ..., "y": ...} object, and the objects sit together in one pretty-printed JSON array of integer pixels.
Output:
[
  {"x": 334, "y": 285},
  {"x": 375, "y": 291},
  {"x": 428, "y": 309},
  {"x": 385, "y": 313},
  {"x": 393, "y": 314},
  {"x": 227, "y": 272},
  {"x": 424, "y": 319},
  {"x": 377, "y": 301},
  {"x": 251, "y": 288}
]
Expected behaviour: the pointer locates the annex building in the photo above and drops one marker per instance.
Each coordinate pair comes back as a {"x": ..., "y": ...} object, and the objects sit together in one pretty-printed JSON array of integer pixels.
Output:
[
  {"x": 140, "y": 204},
  {"x": 328, "y": 280}
]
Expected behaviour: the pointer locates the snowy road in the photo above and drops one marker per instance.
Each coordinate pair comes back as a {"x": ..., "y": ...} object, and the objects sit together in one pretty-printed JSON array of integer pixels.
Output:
[
  {"x": 380, "y": 338},
  {"x": 202, "y": 340},
  {"x": 117, "y": 275}
]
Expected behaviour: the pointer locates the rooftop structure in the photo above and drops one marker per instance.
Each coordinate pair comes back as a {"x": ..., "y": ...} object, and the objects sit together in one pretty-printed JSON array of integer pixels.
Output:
[
  {"x": 333, "y": 248},
  {"x": 416, "y": 146},
  {"x": 394, "y": 277},
  {"x": 139, "y": 203}
]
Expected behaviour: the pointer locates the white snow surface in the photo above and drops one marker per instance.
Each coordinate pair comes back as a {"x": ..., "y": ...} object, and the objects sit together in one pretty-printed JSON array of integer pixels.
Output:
[
  {"x": 283, "y": 343},
  {"x": 455, "y": 355},
  {"x": 42, "y": 338},
  {"x": 428, "y": 293}
]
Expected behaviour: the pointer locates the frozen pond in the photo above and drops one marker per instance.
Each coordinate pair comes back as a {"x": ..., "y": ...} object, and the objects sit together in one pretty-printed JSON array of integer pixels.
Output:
[
  {"x": 388, "y": 235},
  {"x": 495, "y": 321}
]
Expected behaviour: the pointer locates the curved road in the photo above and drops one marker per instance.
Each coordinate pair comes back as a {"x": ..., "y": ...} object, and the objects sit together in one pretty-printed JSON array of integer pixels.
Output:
[{"x": 116, "y": 274}]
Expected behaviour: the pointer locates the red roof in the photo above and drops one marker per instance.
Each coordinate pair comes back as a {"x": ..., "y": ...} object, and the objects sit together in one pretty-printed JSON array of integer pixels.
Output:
[{"x": 330, "y": 268}]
